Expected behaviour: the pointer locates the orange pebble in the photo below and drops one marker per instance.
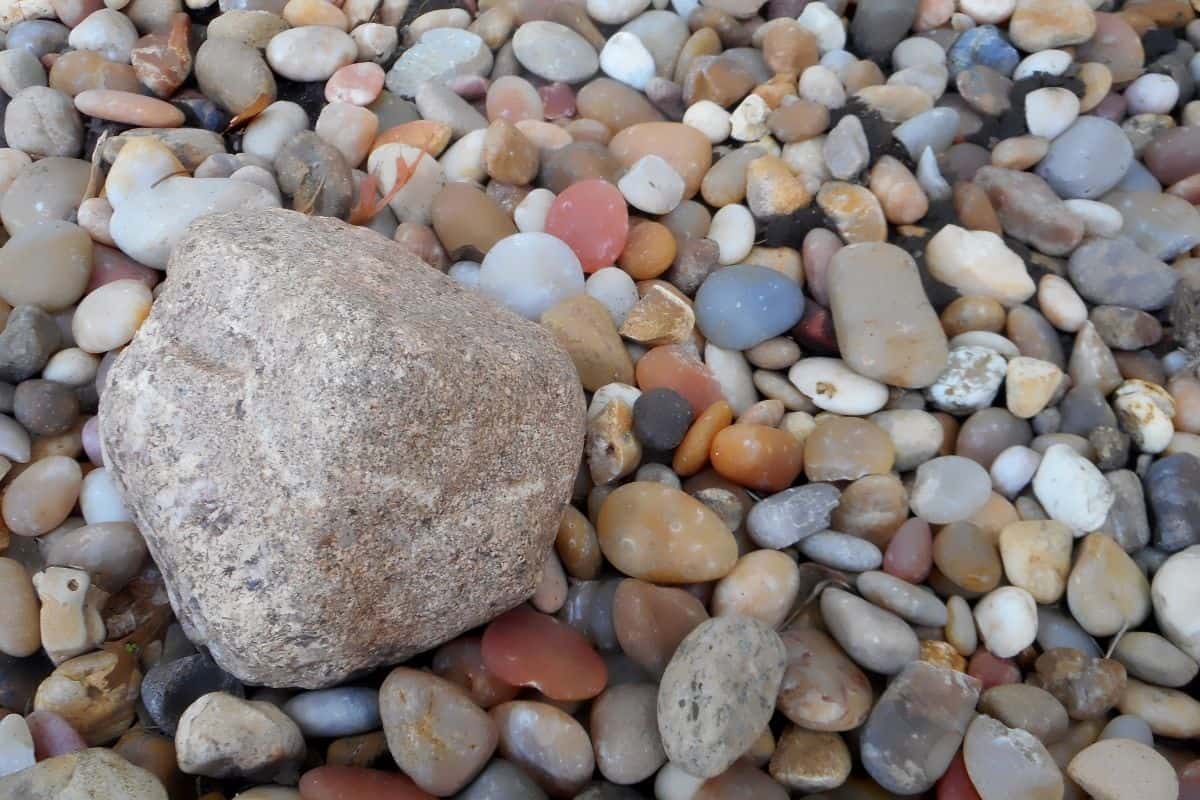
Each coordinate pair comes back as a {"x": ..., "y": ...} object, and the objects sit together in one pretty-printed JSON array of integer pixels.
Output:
[
  {"x": 692, "y": 453},
  {"x": 648, "y": 252},
  {"x": 432, "y": 137},
  {"x": 757, "y": 457},
  {"x": 674, "y": 367}
]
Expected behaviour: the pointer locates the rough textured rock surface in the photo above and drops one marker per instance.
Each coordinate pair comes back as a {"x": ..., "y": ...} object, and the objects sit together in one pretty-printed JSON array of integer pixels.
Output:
[{"x": 337, "y": 455}]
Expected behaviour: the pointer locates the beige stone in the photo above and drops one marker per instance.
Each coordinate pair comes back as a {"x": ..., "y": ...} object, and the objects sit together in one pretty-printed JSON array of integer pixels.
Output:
[
  {"x": 341, "y": 398},
  {"x": 70, "y": 615},
  {"x": 222, "y": 736},
  {"x": 87, "y": 775},
  {"x": 97, "y": 693}
]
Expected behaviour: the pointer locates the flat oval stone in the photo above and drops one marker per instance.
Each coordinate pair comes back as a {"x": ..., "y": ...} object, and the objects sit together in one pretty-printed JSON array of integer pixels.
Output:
[
  {"x": 1170, "y": 712},
  {"x": 1173, "y": 592},
  {"x": 910, "y": 602},
  {"x": 650, "y": 621},
  {"x": 439, "y": 55},
  {"x": 1118, "y": 272},
  {"x": 740, "y": 306},
  {"x": 554, "y": 52},
  {"x": 46, "y": 266},
  {"x": 591, "y": 217},
  {"x": 1030, "y": 210},
  {"x": 786, "y": 518},
  {"x": 1151, "y": 658},
  {"x": 332, "y": 782},
  {"x": 20, "y": 634},
  {"x": 525, "y": 648},
  {"x": 822, "y": 689},
  {"x": 758, "y": 457},
  {"x": 1163, "y": 225},
  {"x": 1008, "y": 762},
  {"x": 546, "y": 743},
  {"x": 886, "y": 328},
  {"x": 1088, "y": 159},
  {"x": 717, "y": 694},
  {"x": 841, "y": 551},
  {"x": 330, "y": 713},
  {"x": 1122, "y": 769},
  {"x": 49, "y": 189},
  {"x": 1019, "y": 705},
  {"x": 437, "y": 735},
  {"x": 1106, "y": 591},
  {"x": 656, "y": 533},
  {"x": 915, "y": 730},
  {"x": 128, "y": 108},
  {"x": 876, "y": 639},
  {"x": 310, "y": 53},
  {"x": 624, "y": 730}
]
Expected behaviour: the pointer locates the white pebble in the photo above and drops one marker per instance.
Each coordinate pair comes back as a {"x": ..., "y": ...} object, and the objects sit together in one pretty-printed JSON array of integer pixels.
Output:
[
  {"x": 1099, "y": 219},
  {"x": 1145, "y": 411},
  {"x": 1013, "y": 469},
  {"x": 267, "y": 133},
  {"x": 1050, "y": 111},
  {"x": 1007, "y": 620},
  {"x": 839, "y": 61},
  {"x": 16, "y": 745},
  {"x": 71, "y": 367},
  {"x": 732, "y": 228},
  {"x": 107, "y": 32},
  {"x": 833, "y": 386},
  {"x": 530, "y": 213},
  {"x": 615, "y": 12},
  {"x": 625, "y": 59},
  {"x": 749, "y": 120},
  {"x": 986, "y": 339},
  {"x": 463, "y": 160},
  {"x": 987, "y": 12},
  {"x": 652, "y": 185},
  {"x": 820, "y": 84},
  {"x": 1051, "y": 62},
  {"x": 615, "y": 290},
  {"x": 733, "y": 373},
  {"x": 1152, "y": 93},
  {"x": 1072, "y": 490},
  {"x": 825, "y": 24},
  {"x": 99, "y": 499},
  {"x": 949, "y": 489},
  {"x": 710, "y": 119},
  {"x": 466, "y": 273},
  {"x": 110, "y": 315},
  {"x": 916, "y": 51},
  {"x": 1176, "y": 595},
  {"x": 530, "y": 272}
]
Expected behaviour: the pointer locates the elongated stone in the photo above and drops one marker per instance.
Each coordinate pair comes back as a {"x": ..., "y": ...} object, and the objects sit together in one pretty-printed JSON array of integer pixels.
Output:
[
  {"x": 886, "y": 328},
  {"x": 876, "y": 639}
]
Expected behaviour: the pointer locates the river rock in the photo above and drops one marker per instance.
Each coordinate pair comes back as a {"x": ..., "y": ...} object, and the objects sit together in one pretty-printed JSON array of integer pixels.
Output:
[
  {"x": 875, "y": 290},
  {"x": 1030, "y": 210},
  {"x": 876, "y": 639},
  {"x": 441, "y": 54},
  {"x": 917, "y": 726},
  {"x": 1019, "y": 705},
  {"x": 1173, "y": 491},
  {"x": 1088, "y": 159},
  {"x": 222, "y": 736},
  {"x": 785, "y": 518},
  {"x": 232, "y": 604},
  {"x": 1174, "y": 593},
  {"x": 1151, "y": 658},
  {"x": 554, "y": 52},
  {"x": 717, "y": 694},
  {"x": 1163, "y": 225},
  {"x": 1071, "y": 489},
  {"x": 94, "y": 773},
  {"x": 822, "y": 689},
  {"x": 1106, "y": 591},
  {"x": 1119, "y": 273},
  {"x": 1008, "y": 762},
  {"x": 168, "y": 689},
  {"x": 1122, "y": 769}
]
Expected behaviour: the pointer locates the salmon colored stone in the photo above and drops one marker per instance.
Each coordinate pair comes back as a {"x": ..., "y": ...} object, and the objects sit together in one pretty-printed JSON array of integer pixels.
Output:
[
  {"x": 526, "y": 648},
  {"x": 110, "y": 264},
  {"x": 650, "y": 621},
  {"x": 461, "y": 662},
  {"x": 682, "y": 146},
  {"x": 909, "y": 554},
  {"x": 513, "y": 99},
  {"x": 692, "y": 453},
  {"x": 128, "y": 108},
  {"x": 654, "y": 532},
  {"x": 956, "y": 783},
  {"x": 591, "y": 217},
  {"x": 675, "y": 367},
  {"x": 345, "y": 783},
  {"x": 423, "y": 134},
  {"x": 757, "y": 457},
  {"x": 577, "y": 545},
  {"x": 992, "y": 671},
  {"x": 357, "y": 84}
]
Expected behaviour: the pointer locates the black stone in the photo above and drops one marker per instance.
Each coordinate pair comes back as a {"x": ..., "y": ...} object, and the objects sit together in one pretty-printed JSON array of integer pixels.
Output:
[
  {"x": 789, "y": 230},
  {"x": 1158, "y": 42},
  {"x": 168, "y": 689},
  {"x": 661, "y": 418},
  {"x": 1173, "y": 491},
  {"x": 19, "y": 680}
]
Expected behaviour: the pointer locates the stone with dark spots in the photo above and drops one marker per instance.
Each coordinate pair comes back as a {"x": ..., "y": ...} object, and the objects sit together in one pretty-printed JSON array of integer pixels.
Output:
[{"x": 373, "y": 459}]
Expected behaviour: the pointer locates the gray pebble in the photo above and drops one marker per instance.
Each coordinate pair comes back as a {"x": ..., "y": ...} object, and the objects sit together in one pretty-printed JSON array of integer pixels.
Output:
[
  {"x": 912, "y": 603},
  {"x": 841, "y": 551},
  {"x": 329, "y": 713},
  {"x": 877, "y": 640},
  {"x": 1127, "y": 521},
  {"x": 43, "y": 122},
  {"x": 20, "y": 69},
  {"x": 1128, "y": 726},
  {"x": 1153, "y": 659},
  {"x": 1117, "y": 272},
  {"x": 785, "y": 518},
  {"x": 1057, "y": 629},
  {"x": 500, "y": 780},
  {"x": 1088, "y": 159},
  {"x": 29, "y": 339}
]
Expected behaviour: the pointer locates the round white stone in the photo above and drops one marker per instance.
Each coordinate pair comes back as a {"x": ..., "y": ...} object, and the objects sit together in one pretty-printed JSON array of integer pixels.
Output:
[
  {"x": 625, "y": 59},
  {"x": 825, "y": 24},
  {"x": 949, "y": 489},
  {"x": 530, "y": 213},
  {"x": 833, "y": 386},
  {"x": 1050, "y": 111},
  {"x": 530, "y": 272},
  {"x": 916, "y": 51},
  {"x": 99, "y": 499},
  {"x": 1007, "y": 620},
  {"x": 314, "y": 52},
  {"x": 652, "y": 185},
  {"x": 732, "y": 228},
  {"x": 71, "y": 367},
  {"x": 1051, "y": 62},
  {"x": 1176, "y": 596},
  {"x": 1152, "y": 93},
  {"x": 1013, "y": 469},
  {"x": 615, "y": 290},
  {"x": 710, "y": 119},
  {"x": 987, "y": 12},
  {"x": 1072, "y": 490}
]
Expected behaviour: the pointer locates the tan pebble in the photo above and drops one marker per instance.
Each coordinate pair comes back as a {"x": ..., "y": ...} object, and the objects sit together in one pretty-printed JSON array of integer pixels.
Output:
[
  {"x": 611, "y": 448},
  {"x": 128, "y": 108},
  {"x": 762, "y": 584},
  {"x": 973, "y": 313},
  {"x": 942, "y": 654},
  {"x": 975, "y": 209},
  {"x": 96, "y": 693},
  {"x": 659, "y": 317},
  {"x": 854, "y": 211},
  {"x": 772, "y": 189},
  {"x": 806, "y": 761},
  {"x": 1060, "y": 303},
  {"x": 788, "y": 47},
  {"x": 509, "y": 155},
  {"x": 583, "y": 327},
  {"x": 1030, "y": 384},
  {"x": 20, "y": 628},
  {"x": 351, "y": 129},
  {"x": 1037, "y": 557},
  {"x": 764, "y": 412},
  {"x": 1097, "y": 81},
  {"x": 649, "y": 250},
  {"x": 1020, "y": 152},
  {"x": 299, "y": 13},
  {"x": 899, "y": 193},
  {"x": 577, "y": 545},
  {"x": 798, "y": 121},
  {"x": 896, "y": 103}
]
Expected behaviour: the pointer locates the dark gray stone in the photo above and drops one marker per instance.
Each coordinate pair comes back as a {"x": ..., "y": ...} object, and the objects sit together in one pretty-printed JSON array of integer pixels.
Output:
[
  {"x": 29, "y": 338},
  {"x": 168, "y": 689},
  {"x": 1173, "y": 489}
]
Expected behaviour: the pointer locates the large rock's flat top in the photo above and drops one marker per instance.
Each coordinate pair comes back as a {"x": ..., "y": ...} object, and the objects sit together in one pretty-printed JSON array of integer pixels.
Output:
[{"x": 338, "y": 456}]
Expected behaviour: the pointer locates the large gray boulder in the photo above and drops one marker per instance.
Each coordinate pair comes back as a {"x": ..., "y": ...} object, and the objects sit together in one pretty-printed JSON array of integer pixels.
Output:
[{"x": 338, "y": 456}]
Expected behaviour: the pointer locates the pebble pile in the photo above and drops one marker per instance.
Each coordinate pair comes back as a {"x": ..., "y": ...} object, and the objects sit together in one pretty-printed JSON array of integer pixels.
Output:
[{"x": 888, "y": 316}]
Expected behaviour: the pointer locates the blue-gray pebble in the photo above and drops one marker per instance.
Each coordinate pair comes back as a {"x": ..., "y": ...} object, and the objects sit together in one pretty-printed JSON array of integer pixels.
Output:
[
  {"x": 1173, "y": 488},
  {"x": 1088, "y": 159},
  {"x": 1163, "y": 225},
  {"x": 327, "y": 713},
  {"x": 1116, "y": 272},
  {"x": 740, "y": 306},
  {"x": 982, "y": 45}
]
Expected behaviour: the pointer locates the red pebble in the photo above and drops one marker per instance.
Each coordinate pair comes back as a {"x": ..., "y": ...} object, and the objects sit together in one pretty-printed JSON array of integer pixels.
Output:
[
  {"x": 52, "y": 735},
  {"x": 358, "y": 783},
  {"x": 461, "y": 661},
  {"x": 358, "y": 84},
  {"x": 109, "y": 264},
  {"x": 956, "y": 783},
  {"x": 815, "y": 330},
  {"x": 558, "y": 100},
  {"x": 526, "y": 648},
  {"x": 591, "y": 217},
  {"x": 673, "y": 367},
  {"x": 909, "y": 554},
  {"x": 992, "y": 671}
]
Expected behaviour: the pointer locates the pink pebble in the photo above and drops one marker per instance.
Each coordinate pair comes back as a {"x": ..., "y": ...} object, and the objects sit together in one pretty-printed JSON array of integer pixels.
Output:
[
  {"x": 592, "y": 218},
  {"x": 468, "y": 87},
  {"x": 1111, "y": 108},
  {"x": 91, "y": 441},
  {"x": 558, "y": 100},
  {"x": 52, "y": 735},
  {"x": 110, "y": 264},
  {"x": 992, "y": 671},
  {"x": 514, "y": 99},
  {"x": 910, "y": 552},
  {"x": 357, "y": 84}
]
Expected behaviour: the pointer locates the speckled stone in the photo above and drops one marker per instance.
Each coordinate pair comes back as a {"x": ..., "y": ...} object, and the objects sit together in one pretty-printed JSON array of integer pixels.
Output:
[{"x": 263, "y": 619}]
